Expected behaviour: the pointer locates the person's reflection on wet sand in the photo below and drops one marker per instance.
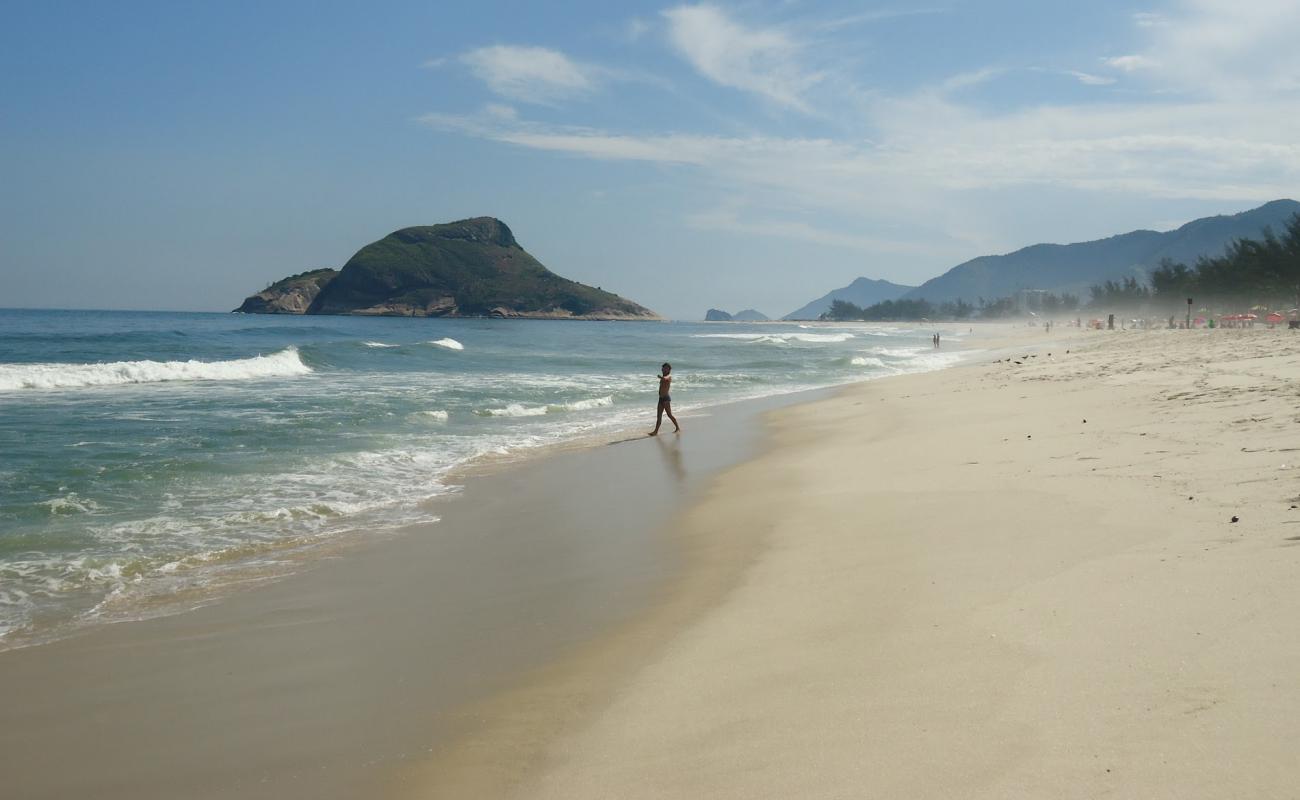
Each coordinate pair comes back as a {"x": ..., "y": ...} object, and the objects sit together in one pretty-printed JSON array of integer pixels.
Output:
[{"x": 672, "y": 453}]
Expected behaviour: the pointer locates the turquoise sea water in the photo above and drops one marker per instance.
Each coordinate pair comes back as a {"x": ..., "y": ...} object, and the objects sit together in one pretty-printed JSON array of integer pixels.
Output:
[{"x": 148, "y": 456}]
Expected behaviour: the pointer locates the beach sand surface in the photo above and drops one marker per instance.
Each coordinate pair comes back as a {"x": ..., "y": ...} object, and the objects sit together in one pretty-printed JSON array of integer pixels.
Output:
[
  {"x": 327, "y": 683},
  {"x": 1001, "y": 580}
]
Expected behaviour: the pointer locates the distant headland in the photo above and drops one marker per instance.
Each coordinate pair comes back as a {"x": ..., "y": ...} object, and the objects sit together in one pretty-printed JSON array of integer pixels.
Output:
[{"x": 469, "y": 268}]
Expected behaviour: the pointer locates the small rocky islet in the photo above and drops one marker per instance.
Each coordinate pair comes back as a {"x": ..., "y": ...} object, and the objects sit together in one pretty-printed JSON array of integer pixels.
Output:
[{"x": 469, "y": 268}]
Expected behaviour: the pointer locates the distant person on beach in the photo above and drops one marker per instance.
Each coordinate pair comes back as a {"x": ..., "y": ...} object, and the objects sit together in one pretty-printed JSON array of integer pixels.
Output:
[{"x": 665, "y": 400}]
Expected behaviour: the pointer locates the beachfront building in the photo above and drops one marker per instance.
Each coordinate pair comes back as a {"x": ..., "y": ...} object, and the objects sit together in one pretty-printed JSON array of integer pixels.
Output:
[{"x": 1030, "y": 299}]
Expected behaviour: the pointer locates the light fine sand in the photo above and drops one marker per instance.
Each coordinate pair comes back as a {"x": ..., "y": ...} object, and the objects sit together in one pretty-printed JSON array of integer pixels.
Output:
[{"x": 951, "y": 585}]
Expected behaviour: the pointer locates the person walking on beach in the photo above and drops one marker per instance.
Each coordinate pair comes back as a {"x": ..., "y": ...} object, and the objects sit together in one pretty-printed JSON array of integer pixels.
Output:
[{"x": 665, "y": 400}]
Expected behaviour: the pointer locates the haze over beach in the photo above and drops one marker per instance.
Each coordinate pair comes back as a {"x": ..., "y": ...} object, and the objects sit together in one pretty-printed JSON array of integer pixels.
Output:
[{"x": 332, "y": 341}]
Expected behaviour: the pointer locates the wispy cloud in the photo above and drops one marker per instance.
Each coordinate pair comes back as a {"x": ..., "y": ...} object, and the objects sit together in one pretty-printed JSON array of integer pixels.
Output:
[
  {"x": 1088, "y": 79},
  {"x": 1149, "y": 19},
  {"x": 877, "y": 15},
  {"x": 761, "y": 61},
  {"x": 531, "y": 74},
  {"x": 1228, "y": 49},
  {"x": 965, "y": 80},
  {"x": 1131, "y": 63},
  {"x": 931, "y": 146},
  {"x": 1211, "y": 118}
]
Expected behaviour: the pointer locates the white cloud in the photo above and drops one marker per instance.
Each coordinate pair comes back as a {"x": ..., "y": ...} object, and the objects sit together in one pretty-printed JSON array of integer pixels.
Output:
[
  {"x": 878, "y": 15},
  {"x": 930, "y": 146},
  {"x": 964, "y": 80},
  {"x": 501, "y": 111},
  {"x": 1218, "y": 122},
  {"x": 1148, "y": 19},
  {"x": 1088, "y": 79},
  {"x": 762, "y": 61},
  {"x": 531, "y": 74},
  {"x": 1131, "y": 63},
  {"x": 1228, "y": 48}
]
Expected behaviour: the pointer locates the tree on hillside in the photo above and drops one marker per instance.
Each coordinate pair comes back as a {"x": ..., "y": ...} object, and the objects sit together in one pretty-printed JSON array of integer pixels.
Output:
[
  {"x": 1126, "y": 292},
  {"x": 1251, "y": 271},
  {"x": 842, "y": 310}
]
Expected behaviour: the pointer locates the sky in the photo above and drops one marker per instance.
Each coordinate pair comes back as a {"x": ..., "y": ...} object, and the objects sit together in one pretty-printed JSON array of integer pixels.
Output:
[{"x": 182, "y": 155}]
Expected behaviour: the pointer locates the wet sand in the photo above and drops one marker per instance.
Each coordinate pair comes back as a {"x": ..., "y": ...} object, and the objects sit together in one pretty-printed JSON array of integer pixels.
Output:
[{"x": 326, "y": 684}]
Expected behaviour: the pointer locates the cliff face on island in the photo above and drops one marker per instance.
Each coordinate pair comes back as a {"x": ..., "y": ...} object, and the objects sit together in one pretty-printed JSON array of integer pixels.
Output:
[
  {"x": 291, "y": 295},
  {"x": 470, "y": 268}
]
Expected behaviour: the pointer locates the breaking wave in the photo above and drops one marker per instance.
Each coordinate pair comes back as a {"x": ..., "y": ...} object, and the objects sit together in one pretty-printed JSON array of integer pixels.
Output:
[
  {"x": 513, "y": 410},
  {"x": 450, "y": 344},
  {"x": 866, "y": 361},
  {"x": 520, "y": 410},
  {"x": 778, "y": 338},
  {"x": 285, "y": 363},
  {"x": 584, "y": 405}
]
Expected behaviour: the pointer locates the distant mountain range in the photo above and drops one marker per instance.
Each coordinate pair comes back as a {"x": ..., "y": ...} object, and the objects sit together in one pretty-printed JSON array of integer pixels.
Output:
[
  {"x": 1069, "y": 267},
  {"x": 1075, "y": 267},
  {"x": 862, "y": 292},
  {"x": 470, "y": 268},
  {"x": 748, "y": 315}
]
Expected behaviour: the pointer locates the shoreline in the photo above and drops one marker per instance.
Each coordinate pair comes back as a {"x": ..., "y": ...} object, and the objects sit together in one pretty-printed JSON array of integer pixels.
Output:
[
  {"x": 1033, "y": 588},
  {"x": 506, "y": 736},
  {"x": 291, "y": 557},
  {"x": 325, "y": 682},
  {"x": 220, "y": 695}
]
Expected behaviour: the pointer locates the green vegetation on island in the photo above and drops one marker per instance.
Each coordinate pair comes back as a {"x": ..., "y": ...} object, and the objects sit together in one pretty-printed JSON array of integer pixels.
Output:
[{"x": 470, "y": 268}]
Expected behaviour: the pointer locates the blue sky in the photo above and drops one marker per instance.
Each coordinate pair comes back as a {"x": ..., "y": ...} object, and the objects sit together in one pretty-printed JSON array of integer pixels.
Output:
[{"x": 754, "y": 154}]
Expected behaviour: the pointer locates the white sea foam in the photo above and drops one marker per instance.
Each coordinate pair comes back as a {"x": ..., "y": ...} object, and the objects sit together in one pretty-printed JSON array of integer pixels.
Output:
[
  {"x": 584, "y": 405},
  {"x": 514, "y": 410},
  {"x": 778, "y": 338},
  {"x": 450, "y": 344},
  {"x": 380, "y": 344},
  {"x": 897, "y": 352},
  {"x": 866, "y": 361},
  {"x": 71, "y": 504},
  {"x": 436, "y": 415},
  {"x": 521, "y": 410},
  {"x": 283, "y": 364}
]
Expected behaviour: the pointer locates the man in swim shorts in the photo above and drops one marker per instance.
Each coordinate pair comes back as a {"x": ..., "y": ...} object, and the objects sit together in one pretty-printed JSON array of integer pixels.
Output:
[{"x": 665, "y": 400}]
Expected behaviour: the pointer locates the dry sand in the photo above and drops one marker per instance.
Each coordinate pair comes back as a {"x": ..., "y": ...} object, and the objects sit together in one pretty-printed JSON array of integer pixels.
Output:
[{"x": 951, "y": 585}]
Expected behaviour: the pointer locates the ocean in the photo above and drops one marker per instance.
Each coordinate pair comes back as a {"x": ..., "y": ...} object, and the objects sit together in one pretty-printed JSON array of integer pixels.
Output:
[{"x": 151, "y": 460}]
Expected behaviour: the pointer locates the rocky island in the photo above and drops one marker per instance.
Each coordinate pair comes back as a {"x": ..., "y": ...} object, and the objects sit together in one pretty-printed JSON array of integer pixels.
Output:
[{"x": 470, "y": 268}]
